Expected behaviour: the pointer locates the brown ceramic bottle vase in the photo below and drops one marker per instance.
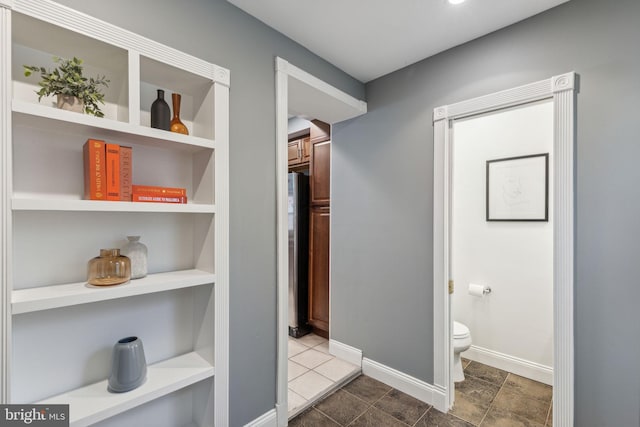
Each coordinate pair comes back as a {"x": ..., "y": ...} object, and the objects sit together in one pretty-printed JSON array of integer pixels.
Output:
[{"x": 176, "y": 125}]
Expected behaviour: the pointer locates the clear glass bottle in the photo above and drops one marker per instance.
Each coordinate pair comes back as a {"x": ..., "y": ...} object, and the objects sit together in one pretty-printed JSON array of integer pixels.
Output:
[
  {"x": 137, "y": 253},
  {"x": 110, "y": 268}
]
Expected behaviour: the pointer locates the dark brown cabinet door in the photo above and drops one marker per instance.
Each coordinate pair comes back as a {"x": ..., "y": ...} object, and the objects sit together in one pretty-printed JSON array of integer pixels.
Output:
[
  {"x": 319, "y": 269},
  {"x": 299, "y": 152},
  {"x": 320, "y": 173},
  {"x": 305, "y": 146},
  {"x": 294, "y": 152}
]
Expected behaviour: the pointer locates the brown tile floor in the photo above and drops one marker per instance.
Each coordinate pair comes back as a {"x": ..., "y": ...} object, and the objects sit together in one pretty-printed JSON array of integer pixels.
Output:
[{"x": 489, "y": 397}]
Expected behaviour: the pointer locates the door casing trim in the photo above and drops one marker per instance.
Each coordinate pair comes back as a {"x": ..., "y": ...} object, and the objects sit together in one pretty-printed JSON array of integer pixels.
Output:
[{"x": 562, "y": 89}]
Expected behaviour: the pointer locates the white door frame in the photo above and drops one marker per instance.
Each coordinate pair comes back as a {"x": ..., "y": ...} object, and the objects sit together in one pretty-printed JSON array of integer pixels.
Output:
[
  {"x": 333, "y": 105},
  {"x": 562, "y": 90}
]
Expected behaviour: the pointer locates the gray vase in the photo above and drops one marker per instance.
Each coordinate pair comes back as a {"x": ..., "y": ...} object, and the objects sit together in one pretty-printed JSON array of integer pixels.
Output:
[{"x": 128, "y": 365}]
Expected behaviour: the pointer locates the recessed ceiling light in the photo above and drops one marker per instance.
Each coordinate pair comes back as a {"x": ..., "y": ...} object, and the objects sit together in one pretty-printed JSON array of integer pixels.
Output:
[{"x": 456, "y": 1}]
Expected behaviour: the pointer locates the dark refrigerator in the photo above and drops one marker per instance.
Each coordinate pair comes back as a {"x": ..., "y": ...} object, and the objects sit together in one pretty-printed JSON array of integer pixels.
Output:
[{"x": 298, "y": 254}]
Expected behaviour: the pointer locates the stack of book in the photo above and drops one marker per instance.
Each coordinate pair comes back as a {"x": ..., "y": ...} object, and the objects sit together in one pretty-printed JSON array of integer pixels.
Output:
[
  {"x": 108, "y": 175},
  {"x": 148, "y": 193},
  {"x": 107, "y": 171}
]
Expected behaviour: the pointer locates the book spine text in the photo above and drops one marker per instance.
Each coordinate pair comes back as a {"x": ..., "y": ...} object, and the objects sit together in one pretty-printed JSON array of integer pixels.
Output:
[
  {"x": 161, "y": 191},
  {"x": 126, "y": 170},
  {"x": 94, "y": 170},
  {"x": 113, "y": 171},
  {"x": 137, "y": 197}
]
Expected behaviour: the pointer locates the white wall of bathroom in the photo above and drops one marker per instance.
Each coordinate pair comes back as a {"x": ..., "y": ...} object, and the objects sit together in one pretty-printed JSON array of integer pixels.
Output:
[{"x": 511, "y": 328}]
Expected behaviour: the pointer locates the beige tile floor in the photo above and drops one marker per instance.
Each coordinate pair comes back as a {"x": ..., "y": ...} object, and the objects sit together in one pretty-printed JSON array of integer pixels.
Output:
[{"x": 313, "y": 372}]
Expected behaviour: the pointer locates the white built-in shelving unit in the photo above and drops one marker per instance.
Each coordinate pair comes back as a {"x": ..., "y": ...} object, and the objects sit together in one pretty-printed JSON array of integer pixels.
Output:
[{"x": 57, "y": 332}]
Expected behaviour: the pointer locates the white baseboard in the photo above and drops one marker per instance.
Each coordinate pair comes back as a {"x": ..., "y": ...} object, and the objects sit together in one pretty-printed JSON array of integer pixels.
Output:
[
  {"x": 282, "y": 413},
  {"x": 268, "y": 419},
  {"x": 405, "y": 383},
  {"x": 524, "y": 368},
  {"x": 345, "y": 352},
  {"x": 439, "y": 398}
]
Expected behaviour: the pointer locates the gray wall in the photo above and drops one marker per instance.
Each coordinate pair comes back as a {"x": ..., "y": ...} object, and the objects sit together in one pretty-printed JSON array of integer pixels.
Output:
[
  {"x": 220, "y": 33},
  {"x": 382, "y": 197},
  {"x": 382, "y": 178}
]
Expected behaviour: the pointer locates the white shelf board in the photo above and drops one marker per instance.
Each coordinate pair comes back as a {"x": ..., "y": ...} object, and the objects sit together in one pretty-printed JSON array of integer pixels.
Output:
[
  {"x": 48, "y": 297},
  {"x": 31, "y": 115},
  {"x": 93, "y": 403},
  {"x": 22, "y": 203}
]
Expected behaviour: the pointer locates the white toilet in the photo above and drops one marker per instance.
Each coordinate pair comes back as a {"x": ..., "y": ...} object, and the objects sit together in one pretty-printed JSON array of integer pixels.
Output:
[{"x": 461, "y": 342}]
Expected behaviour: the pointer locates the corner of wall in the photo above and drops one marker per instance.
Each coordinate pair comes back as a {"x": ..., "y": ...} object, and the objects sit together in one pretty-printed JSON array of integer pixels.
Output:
[{"x": 345, "y": 352}]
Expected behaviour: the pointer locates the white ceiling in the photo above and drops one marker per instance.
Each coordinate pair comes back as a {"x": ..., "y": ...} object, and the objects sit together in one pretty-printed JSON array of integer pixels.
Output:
[{"x": 370, "y": 38}]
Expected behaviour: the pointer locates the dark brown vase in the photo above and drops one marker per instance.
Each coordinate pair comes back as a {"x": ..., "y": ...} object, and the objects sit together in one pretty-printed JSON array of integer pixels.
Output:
[
  {"x": 176, "y": 125},
  {"x": 160, "y": 113}
]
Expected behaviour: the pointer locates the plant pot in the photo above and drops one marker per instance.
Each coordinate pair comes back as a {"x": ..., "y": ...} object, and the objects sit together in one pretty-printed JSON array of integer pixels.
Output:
[{"x": 70, "y": 103}]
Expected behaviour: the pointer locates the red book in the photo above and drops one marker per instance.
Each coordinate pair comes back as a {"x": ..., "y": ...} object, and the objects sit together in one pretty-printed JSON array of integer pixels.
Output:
[
  {"x": 159, "y": 191},
  {"x": 113, "y": 171},
  {"x": 94, "y": 170},
  {"x": 137, "y": 197},
  {"x": 126, "y": 169}
]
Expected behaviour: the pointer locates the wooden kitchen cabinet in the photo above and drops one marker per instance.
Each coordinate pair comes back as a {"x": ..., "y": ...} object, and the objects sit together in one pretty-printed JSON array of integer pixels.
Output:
[
  {"x": 299, "y": 152},
  {"x": 320, "y": 173},
  {"x": 293, "y": 152},
  {"x": 319, "y": 270},
  {"x": 306, "y": 149},
  {"x": 319, "y": 227}
]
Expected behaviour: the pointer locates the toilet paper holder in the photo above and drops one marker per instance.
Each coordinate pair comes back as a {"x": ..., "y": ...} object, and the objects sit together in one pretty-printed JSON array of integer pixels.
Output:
[{"x": 479, "y": 290}]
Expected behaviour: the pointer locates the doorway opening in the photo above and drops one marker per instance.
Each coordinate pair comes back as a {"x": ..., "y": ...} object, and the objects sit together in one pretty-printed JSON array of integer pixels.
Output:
[
  {"x": 300, "y": 94},
  {"x": 309, "y": 208},
  {"x": 502, "y": 264},
  {"x": 313, "y": 371},
  {"x": 560, "y": 90}
]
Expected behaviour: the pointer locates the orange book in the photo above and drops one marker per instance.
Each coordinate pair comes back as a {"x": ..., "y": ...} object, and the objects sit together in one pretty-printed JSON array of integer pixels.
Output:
[
  {"x": 113, "y": 171},
  {"x": 126, "y": 169},
  {"x": 160, "y": 191},
  {"x": 137, "y": 197},
  {"x": 94, "y": 170}
]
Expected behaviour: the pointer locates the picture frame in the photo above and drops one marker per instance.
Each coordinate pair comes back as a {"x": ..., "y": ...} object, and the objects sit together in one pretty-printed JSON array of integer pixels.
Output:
[{"x": 517, "y": 188}]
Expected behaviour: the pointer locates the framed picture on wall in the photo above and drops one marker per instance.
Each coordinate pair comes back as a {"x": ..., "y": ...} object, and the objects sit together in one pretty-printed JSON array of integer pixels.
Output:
[{"x": 518, "y": 188}]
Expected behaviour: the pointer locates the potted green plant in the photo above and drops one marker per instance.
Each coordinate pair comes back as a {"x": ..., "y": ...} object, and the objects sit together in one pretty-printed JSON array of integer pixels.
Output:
[{"x": 74, "y": 91}]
